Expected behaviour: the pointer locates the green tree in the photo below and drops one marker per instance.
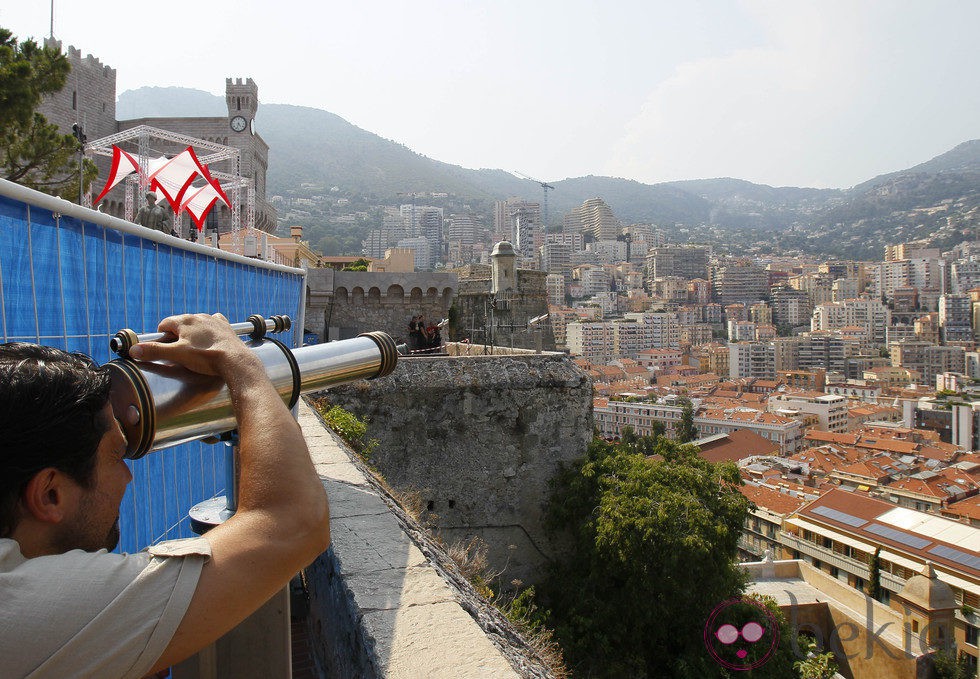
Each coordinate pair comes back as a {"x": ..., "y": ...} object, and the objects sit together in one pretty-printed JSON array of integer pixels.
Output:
[
  {"x": 686, "y": 431},
  {"x": 653, "y": 552},
  {"x": 32, "y": 151},
  {"x": 357, "y": 265},
  {"x": 948, "y": 666},
  {"x": 815, "y": 665}
]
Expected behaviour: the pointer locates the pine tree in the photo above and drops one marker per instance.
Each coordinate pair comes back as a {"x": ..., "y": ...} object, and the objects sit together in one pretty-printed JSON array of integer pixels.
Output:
[{"x": 32, "y": 151}]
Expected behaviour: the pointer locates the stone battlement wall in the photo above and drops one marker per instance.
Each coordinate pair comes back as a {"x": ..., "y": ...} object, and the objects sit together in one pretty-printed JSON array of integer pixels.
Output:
[
  {"x": 479, "y": 437},
  {"x": 342, "y": 304}
]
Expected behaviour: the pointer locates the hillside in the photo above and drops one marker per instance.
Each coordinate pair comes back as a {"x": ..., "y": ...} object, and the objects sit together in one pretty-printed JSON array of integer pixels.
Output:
[{"x": 312, "y": 151}]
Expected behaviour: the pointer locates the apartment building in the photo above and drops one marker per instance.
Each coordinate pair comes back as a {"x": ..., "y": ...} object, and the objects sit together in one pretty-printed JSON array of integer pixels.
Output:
[
  {"x": 956, "y": 318},
  {"x": 752, "y": 359},
  {"x": 839, "y": 533},
  {"x": 786, "y": 432},
  {"x": 741, "y": 331},
  {"x": 741, "y": 282},
  {"x": 663, "y": 328},
  {"x": 660, "y": 359},
  {"x": 868, "y": 314},
  {"x": 686, "y": 261},
  {"x": 602, "y": 342},
  {"x": 594, "y": 217},
  {"x": 592, "y": 341},
  {"x": 612, "y": 416},
  {"x": 829, "y": 409},
  {"x": 790, "y": 306}
]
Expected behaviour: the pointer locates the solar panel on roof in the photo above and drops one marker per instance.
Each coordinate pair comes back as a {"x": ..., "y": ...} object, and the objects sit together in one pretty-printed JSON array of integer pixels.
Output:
[
  {"x": 897, "y": 536},
  {"x": 962, "y": 558},
  {"x": 836, "y": 515}
]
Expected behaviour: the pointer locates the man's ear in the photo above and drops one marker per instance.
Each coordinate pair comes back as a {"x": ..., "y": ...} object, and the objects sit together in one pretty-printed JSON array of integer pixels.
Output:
[{"x": 47, "y": 495}]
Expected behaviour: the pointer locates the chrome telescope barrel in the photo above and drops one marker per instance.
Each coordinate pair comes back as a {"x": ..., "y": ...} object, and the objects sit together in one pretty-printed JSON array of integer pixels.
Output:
[
  {"x": 160, "y": 405},
  {"x": 255, "y": 327}
]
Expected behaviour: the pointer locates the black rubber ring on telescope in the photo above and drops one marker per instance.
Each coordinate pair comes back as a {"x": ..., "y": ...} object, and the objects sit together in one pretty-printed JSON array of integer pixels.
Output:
[
  {"x": 294, "y": 367},
  {"x": 123, "y": 341},
  {"x": 148, "y": 413},
  {"x": 389, "y": 352},
  {"x": 258, "y": 327}
]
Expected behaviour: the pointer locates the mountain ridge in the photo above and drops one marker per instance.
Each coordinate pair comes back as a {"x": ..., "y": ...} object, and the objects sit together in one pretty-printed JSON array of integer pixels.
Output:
[{"x": 313, "y": 151}]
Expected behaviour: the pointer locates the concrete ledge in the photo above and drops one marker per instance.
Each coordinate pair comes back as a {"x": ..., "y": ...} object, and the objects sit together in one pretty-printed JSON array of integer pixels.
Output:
[{"x": 379, "y": 606}]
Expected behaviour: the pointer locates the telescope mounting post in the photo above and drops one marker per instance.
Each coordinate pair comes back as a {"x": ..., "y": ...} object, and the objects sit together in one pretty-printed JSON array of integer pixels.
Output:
[{"x": 210, "y": 513}]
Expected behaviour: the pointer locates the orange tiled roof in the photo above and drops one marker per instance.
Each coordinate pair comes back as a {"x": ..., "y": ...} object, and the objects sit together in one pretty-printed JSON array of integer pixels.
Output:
[
  {"x": 773, "y": 500},
  {"x": 968, "y": 508}
]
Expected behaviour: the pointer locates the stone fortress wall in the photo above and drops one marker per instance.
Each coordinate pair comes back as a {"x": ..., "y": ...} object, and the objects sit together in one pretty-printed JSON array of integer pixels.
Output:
[
  {"x": 342, "y": 304},
  {"x": 88, "y": 98},
  {"x": 480, "y": 437}
]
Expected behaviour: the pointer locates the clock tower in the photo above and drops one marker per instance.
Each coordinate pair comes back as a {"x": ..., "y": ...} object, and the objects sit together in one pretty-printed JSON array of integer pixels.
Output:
[{"x": 243, "y": 102}]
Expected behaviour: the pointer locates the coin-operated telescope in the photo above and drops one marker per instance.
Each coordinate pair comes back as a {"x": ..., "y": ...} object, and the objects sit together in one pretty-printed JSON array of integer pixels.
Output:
[{"x": 162, "y": 404}]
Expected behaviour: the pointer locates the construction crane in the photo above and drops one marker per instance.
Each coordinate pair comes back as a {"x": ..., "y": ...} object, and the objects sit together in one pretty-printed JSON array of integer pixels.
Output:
[{"x": 545, "y": 187}]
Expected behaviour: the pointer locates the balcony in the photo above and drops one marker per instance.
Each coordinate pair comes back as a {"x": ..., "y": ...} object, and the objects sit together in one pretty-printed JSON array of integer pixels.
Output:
[{"x": 838, "y": 560}]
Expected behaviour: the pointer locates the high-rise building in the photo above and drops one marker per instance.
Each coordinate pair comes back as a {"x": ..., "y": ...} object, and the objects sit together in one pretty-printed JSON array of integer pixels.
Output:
[
  {"x": 556, "y": 258},
  {"x": 505, "y": 216},
  {"x": 593, "y": 217},
  {"x": 461, "y": 228},
  {"x": 752, "y": 359},
  {"x": 964, "y": 276},
  {"x": 555, "y": 284},
  {"x": 869, "y": 314},
  {"x": 686, "y": 261},
  {"x": 822, "y": 349},
  {"x": 956, "y": 318},
  {"x": 528, "y": 234},
  {"x": 742, "y": 282}
]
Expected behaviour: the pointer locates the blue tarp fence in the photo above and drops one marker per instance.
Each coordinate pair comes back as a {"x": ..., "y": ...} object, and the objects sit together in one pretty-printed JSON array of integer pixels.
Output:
[{"x": 71, "y": 278}]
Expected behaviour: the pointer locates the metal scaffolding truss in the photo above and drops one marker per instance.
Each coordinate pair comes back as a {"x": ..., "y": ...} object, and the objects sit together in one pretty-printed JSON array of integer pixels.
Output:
[{"x": 231, "y": 181}]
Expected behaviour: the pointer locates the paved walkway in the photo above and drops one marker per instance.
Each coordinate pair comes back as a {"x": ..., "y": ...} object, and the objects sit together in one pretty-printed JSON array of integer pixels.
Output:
[{"x": 418, "y": 627}]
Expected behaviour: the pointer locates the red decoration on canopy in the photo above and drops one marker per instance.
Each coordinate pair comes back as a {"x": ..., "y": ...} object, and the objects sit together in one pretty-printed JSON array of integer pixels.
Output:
[
  {"x": 123, "y": 165},
  {"x": 173, "y": 179},
  {"x": 198, "y": 202},
  {"x": 176, "y": 176}
]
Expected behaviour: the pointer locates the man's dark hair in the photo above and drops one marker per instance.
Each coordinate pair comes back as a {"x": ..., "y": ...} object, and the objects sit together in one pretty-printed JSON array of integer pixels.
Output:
[{"x": 51, "y": 406}]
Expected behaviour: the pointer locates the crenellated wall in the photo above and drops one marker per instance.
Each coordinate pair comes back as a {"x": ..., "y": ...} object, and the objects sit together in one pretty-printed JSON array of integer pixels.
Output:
[{"x": 342, "y": 304}]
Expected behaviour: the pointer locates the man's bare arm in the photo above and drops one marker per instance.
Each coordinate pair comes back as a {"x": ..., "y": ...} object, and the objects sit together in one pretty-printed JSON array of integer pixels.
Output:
[{"x": 282, "y": 522}]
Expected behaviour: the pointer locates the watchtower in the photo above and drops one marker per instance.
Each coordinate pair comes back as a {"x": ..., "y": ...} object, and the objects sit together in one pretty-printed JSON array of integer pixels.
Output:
[{"x": 242, "y": 97}]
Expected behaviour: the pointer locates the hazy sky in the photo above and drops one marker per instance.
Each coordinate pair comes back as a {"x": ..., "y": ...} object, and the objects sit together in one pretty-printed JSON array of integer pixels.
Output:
[{"x": 824, "y": 94}]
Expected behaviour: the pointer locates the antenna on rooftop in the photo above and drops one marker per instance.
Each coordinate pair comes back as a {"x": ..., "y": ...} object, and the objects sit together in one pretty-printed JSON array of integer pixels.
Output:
[{"x": 52, "y": 19}]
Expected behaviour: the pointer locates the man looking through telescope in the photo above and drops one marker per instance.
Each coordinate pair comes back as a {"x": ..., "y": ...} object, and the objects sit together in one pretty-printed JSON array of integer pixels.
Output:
[{"x": 70, "y": 608}]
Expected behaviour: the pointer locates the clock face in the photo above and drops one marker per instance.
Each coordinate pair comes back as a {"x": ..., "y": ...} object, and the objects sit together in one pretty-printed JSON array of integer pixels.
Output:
[
  {"x": 251, "y": 125},
  {"x": 238, "y": 123}
]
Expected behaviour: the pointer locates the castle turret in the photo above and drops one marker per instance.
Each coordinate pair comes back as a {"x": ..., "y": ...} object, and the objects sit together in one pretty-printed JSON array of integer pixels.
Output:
[
  {"x": 504, "y": 266},
  {"x": 929, "y": 608},
  {"x": 242, "y": 98}
]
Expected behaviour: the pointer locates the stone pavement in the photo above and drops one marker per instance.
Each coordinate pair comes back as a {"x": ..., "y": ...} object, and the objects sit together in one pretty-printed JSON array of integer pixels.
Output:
[{"x": 411, "y": 621}]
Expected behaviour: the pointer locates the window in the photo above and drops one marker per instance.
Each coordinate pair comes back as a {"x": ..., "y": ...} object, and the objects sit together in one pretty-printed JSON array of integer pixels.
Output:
[
  {"x": 74, "y": 100},
  {"x": 972, "y": 635}
]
